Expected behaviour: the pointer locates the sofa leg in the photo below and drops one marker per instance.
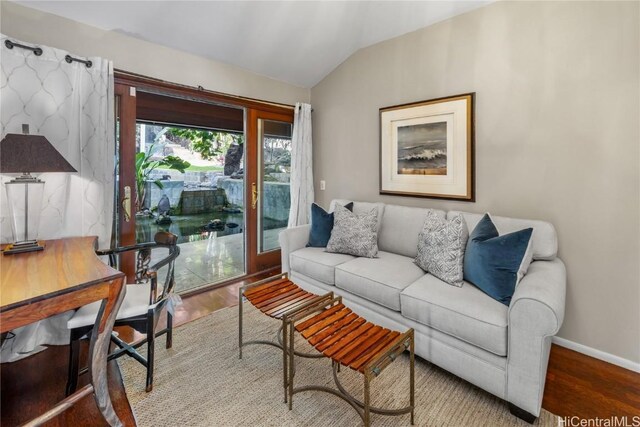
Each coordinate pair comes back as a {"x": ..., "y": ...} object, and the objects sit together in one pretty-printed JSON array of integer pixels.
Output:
[{"x": 522, "y": 414}]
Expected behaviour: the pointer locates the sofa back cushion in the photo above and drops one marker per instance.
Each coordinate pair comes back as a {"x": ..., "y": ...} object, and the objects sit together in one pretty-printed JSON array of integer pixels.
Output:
[
  {"x": 400, "y": 228},
  {"x": 544, "y": 241},
  {"x": 360, "y": 208}
]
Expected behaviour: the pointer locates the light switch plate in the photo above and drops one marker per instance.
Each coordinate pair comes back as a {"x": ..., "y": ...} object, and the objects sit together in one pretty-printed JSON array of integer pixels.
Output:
[{"x": 323, "y": 184}]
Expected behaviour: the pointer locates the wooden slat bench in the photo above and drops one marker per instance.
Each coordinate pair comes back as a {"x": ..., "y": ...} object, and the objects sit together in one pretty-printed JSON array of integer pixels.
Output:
[
  {"x": 349, "y": 340},
  {"x": 277, "y": 297},
  {"x": 335, "y": 332}
]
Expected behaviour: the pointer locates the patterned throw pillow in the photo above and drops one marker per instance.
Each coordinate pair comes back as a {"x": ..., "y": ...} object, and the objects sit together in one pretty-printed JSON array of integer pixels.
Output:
[
  {"x": 441, "y": 247},
  {"x": 321, "y": 225},
  {"x": 354, "y": 234}
]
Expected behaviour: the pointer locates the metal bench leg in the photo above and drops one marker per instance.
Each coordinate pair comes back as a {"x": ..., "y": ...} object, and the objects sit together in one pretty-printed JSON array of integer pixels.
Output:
[
  {"x": 284, "y": 357},
  {"x": 367, "y": 401},
  {"x": 412, "y": 381},
  {"x": 291, "y": 361}
]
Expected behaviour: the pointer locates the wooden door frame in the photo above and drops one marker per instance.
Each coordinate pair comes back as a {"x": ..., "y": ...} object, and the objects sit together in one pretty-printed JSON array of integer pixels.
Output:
[
  {"x": 197, "y": 93},
  {"x": 256, "y": 261},
  {"x": 126, "y": 108}
]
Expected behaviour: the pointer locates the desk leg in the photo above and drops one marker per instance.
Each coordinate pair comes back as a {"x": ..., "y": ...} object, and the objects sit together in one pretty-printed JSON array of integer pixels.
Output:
[{"x": 99, "y": 350}]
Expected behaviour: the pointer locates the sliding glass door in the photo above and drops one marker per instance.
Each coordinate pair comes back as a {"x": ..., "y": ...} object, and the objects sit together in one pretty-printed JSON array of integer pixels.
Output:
[{"x": 214, "y": 174}]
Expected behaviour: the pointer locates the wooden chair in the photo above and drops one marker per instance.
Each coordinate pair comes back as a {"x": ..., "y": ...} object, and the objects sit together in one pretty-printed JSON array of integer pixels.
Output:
[{"x": 140, "y": 308}]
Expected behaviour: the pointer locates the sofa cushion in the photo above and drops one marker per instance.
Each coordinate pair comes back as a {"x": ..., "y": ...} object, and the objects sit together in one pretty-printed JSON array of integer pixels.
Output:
[
  {"x": 465, "y": 313},
  {"x": 496, "y": 263},
  {"x": 354, "y": 234},
  {"x": 544, "y": 241},
  {"x": 317, "y": 264},
  {"x": 321, "y": 225},
  {"x": 378, "y": 279},
  {"x": 441, "y": 247},
  {"x": 360, "y": 208},
  {"x": 400, "y": 228}
]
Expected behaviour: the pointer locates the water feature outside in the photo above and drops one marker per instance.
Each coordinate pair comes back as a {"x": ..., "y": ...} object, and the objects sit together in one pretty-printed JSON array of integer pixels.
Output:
[
  {"x": 206, "y": 256},
  {"x": 202, "y": 197},
  {"x": 193, "y": 228}
]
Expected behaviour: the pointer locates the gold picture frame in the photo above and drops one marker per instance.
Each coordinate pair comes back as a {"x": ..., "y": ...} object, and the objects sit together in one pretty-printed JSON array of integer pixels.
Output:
[{"x": 427, "y": 149}]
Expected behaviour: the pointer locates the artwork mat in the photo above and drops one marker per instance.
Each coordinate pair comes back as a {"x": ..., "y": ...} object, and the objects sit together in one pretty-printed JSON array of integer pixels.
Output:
[{"x": 458, "y": 184}]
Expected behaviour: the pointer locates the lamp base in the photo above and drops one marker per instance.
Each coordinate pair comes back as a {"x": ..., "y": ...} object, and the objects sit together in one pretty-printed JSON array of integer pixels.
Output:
[{"x": 25, "y": 246}]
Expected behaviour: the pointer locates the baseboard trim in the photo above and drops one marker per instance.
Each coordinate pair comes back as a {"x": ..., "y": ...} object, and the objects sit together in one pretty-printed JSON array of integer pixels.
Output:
[{"x": 598, "y": 354}]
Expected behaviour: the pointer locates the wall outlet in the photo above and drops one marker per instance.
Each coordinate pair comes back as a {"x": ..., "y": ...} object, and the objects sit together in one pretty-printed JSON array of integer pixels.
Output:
[{"x": 323, "y": 184}]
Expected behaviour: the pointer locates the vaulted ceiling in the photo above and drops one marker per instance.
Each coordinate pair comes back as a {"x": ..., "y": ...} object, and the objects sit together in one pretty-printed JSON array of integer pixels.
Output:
[{"x": 298, "y": 42}]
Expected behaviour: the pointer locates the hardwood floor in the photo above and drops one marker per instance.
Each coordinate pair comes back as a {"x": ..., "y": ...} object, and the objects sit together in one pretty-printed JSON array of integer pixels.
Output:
[
  {"x": 31, "y": 386},
  {"x": 587, "y": 387},
  {"x": 577, "y": 385}
]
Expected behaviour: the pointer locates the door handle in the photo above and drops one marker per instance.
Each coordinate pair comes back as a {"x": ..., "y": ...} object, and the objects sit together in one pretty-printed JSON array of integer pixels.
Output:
[
  {"x": 254, "y": 195},
  {"x": 126, "y": 204}
]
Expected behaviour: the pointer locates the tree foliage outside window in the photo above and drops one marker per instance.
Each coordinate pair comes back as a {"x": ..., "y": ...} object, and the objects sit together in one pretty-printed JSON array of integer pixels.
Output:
[{"x": 209, "y": 144}]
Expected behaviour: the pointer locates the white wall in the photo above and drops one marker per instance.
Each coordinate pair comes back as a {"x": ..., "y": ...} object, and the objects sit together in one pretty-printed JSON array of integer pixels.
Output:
[
  {"x": 557, "y": 139},
  {"x": 138, "y": 56}
]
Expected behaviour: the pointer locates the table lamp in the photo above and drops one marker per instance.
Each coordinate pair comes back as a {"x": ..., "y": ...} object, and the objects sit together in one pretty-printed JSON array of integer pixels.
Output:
[{"x": 24, "y": 154}]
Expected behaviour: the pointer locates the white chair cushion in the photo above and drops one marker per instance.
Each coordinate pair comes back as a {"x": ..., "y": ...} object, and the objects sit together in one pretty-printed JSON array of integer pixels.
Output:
[
  {"x": 135, "y": 303},
  {"x": 378, "y": 279},
  {"x": 317, "y": 264},
  {"x": 466, "y": 313}
]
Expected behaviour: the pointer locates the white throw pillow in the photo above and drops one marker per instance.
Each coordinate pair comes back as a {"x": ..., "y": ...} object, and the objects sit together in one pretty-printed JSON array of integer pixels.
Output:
[
  {"x": 441, "y": 247},
  {"x": 354, "y": 234}
]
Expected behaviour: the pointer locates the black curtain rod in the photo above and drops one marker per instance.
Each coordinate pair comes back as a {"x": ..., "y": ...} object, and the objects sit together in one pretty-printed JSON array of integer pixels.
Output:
[
  {"x": 38, "y": 51},
  {"x": 71, "y": 59},
  {"x": 10, "y": 45}
]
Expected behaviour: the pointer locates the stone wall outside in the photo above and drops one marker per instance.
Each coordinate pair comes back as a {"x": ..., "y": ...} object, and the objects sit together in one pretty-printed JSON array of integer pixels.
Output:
[{"x": 277, "y": 197}]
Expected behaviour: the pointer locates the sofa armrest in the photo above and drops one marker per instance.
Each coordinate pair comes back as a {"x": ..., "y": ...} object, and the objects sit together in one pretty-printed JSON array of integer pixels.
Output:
[
  {"x": 538, "y": 302},
  {"x": 536, "y": 313},
  {"x": 292, "y": 239}
]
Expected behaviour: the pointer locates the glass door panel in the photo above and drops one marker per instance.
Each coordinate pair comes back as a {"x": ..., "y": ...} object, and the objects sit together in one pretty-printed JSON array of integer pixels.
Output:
[
  {"x": 274, "y": 163},
  {"x": 187, "y": 185}
]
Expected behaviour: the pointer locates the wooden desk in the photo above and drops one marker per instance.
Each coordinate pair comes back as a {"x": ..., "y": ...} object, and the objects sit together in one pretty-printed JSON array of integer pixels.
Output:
[{"x": 66, "y": 275}]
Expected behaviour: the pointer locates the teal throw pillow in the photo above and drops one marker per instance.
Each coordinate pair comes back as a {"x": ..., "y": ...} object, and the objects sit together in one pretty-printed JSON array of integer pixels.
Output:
[
  {"x": 321, "y": 226},
  {"x": 495, "y": 263}
]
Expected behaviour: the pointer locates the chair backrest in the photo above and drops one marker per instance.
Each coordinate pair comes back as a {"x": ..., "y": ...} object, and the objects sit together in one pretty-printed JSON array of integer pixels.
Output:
[
  {"x": 164, "y": 239},
  {"x": 147, "y": 266}
]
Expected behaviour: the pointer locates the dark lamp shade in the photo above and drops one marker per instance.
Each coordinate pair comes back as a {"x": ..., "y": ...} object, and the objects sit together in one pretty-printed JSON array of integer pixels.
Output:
[{"x": 30, "y": 153}]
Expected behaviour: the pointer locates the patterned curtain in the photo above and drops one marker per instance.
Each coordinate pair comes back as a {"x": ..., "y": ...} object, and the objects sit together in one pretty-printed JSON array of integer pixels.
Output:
[
  {"x": 72, "y": 106},
  {"x": 301, "y": 167}
]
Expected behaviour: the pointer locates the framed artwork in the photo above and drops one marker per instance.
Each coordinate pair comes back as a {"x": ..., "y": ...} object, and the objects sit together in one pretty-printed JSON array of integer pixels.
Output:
[{"x": 427, "y": 149}]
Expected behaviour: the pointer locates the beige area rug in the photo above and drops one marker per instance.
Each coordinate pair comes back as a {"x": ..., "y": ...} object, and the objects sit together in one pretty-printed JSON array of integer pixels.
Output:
[{"x": 201, "y": 382}]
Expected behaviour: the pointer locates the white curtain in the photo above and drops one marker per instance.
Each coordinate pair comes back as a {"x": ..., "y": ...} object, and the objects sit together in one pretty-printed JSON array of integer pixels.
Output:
[
  {"x": 72, "y": 106},
  {"x": 301, "y": 167}
]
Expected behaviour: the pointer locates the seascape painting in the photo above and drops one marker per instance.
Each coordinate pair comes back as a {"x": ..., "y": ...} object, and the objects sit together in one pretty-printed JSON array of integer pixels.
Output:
[
  {"x": 422, "y": 149},
  {"x": 427, "y": 148}
]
